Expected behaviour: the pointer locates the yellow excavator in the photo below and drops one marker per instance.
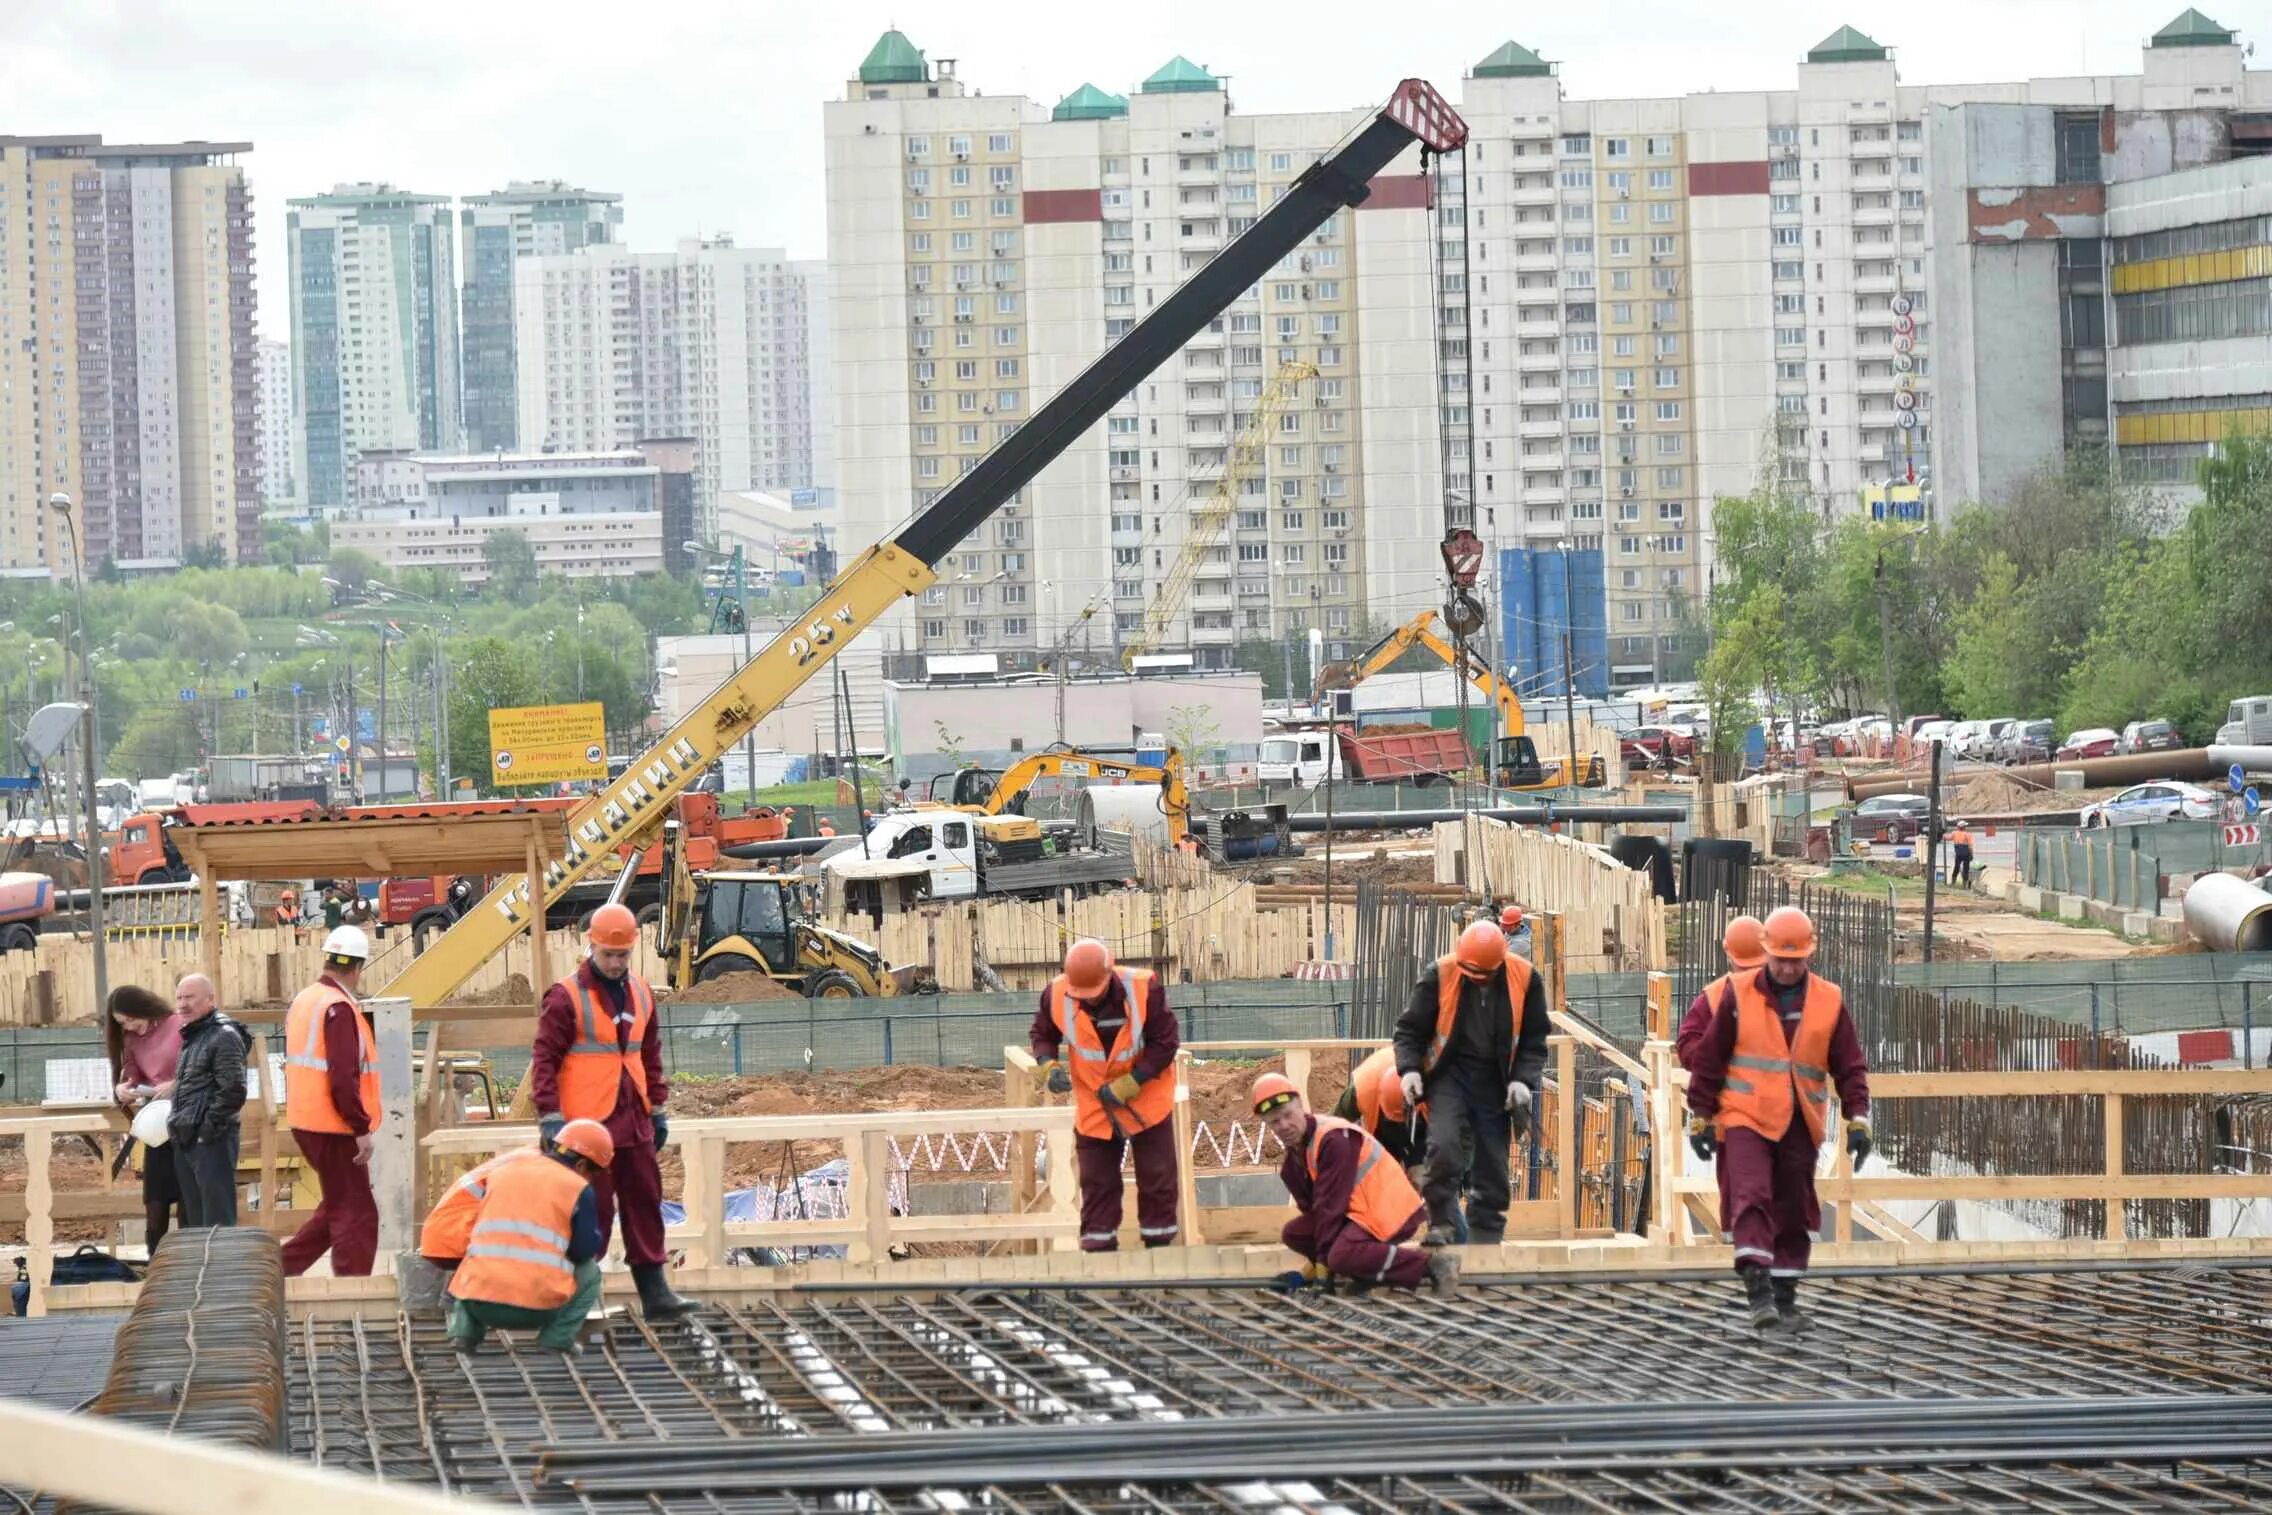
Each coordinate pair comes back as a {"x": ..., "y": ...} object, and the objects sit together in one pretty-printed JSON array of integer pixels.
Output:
[
  {"x": 906, "y": 564},
  {"x": 1515, "y": 764},
  {"x": 1001, "y": 792}
]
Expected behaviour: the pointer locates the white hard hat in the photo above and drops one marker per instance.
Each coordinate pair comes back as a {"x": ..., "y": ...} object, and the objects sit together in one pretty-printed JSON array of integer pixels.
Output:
[
  {"x": 347, "y": 941},
  {"x": 150, "y": 1123}
]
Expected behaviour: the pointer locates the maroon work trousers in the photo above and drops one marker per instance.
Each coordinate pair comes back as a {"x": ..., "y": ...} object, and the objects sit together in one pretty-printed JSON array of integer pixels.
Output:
[
  {"x": 346, "y": 1222},
  {"x": 1768, "y": 1204},
  {"x": 635, "y": 1181},
  {"x": 1356, "y": 1253},
  {"x": 1098, "y": 1160}
]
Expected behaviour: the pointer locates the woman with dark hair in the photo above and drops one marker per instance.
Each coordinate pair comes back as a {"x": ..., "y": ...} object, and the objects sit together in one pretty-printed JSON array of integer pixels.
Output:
[{"x": 143, "y": 1035}]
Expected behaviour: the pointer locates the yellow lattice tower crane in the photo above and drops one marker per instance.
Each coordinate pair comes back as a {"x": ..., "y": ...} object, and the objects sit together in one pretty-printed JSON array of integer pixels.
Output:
[{"x": 1209, "y": 519}]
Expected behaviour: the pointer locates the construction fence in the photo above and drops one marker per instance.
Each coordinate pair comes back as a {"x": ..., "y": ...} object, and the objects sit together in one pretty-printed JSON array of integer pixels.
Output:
[{"x": 2133, "y": 996}]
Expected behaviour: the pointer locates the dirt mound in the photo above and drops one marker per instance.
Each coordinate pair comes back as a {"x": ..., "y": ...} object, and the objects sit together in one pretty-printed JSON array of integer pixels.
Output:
[
  {"x": 2001, "y": 794},
  {"x": 732, "y": 989},
  {"x": 516, "y": 990}
]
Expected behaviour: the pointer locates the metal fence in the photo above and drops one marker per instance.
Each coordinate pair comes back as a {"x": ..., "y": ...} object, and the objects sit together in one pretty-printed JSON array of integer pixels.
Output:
[
  {"x": 2123, "y": 996},
  {"x": 2093, "y": 865},
  {"x": 1854, "y": 937}
]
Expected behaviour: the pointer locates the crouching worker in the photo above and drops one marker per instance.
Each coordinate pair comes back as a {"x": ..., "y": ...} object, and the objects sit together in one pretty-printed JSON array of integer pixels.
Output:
[
  {"x": 1356, "y": 1204},
  {"x": 530, "y": 1255}
]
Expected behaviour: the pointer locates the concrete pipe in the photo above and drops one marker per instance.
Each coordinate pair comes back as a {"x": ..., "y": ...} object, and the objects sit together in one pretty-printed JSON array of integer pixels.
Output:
[
  {"x": 1131, "y": 808},
  {"x": 2251, "y": 759},
  {"x": 2192, "y": 765},
  {"x": 2226, "y": 915}
]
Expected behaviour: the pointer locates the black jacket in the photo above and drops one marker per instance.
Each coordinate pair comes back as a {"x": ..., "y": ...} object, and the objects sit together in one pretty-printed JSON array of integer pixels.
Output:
[
  {"x": 209, "y": 1082},
  {"x": 1522, "y": 1057}
]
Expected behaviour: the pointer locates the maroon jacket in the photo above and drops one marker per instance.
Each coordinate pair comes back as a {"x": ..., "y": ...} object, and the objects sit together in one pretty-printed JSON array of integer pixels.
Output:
[
  {"x": 1692, "y": 1028},
  {"x": 343, "y": 1049},
  {"x": 1326, "y": 1202},
  {"x": 1161, "y": 1034},
  {"x": 1708, "y": 1070},
  {"x": 629, "y": 1125}
]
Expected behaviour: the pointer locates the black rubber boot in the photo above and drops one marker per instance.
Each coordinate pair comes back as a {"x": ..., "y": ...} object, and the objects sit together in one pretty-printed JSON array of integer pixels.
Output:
[
  {"x": 657, "y": 1300},
  {"x": 1759, "y": 1295},
  {"x": 1440, "y": 1235},
  {"x": 1787, "y": 1306}
]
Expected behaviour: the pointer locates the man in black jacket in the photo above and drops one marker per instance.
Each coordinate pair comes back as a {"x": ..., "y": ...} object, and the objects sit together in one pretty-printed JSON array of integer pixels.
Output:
[
  {"x": 1472, "y": 1042},
  {"x": 209, "y": 1092}
]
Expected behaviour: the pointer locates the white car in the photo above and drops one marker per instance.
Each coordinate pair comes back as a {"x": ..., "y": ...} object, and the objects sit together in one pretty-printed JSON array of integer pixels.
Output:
[{"x": 2163, "y": 800}]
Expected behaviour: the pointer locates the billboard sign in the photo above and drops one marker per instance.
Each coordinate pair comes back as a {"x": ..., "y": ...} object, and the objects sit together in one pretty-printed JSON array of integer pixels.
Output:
[{"x": 548, "y": 744}]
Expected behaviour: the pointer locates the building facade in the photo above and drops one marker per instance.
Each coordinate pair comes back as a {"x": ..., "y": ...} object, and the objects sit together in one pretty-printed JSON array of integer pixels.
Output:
[
  {"x": 128, "y": 374},
  {"x": 496, "y": 231},
  {"x": 374, "y": 332},
  {"x": 277, "y": 489},
  {"x": 586, "y": 515},
  {"x": 707, "y": 342}
]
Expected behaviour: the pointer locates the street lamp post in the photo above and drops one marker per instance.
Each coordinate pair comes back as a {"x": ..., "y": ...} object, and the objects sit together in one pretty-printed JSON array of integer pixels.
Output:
[
  {"x": 741, "y": 598},
  {"x": 61, "y": 504}
]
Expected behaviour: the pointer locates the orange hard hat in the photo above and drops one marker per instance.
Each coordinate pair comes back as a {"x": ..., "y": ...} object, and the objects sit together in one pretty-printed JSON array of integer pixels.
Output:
[
  {"x": 1482, "y": 949},
  {"x": 1511, "y": 917},
  {"x": 1088, "y": 967},
  {"x": 1272, "y": 1090},
  {"x": 1745, "y": 942},
  {"x": 1790, "y": 933},
  {"x": 287, "y": 897},
  {"x": 614, "y": 928},
  {"x": 1392, "y": 1094},
  {"x": 589, "y": 1140}
]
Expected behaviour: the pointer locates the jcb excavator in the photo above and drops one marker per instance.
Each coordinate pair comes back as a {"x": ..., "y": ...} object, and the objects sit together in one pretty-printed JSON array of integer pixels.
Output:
[
  {"x": 906, "y": 565},
  {"x": 1002, "y": 791}
]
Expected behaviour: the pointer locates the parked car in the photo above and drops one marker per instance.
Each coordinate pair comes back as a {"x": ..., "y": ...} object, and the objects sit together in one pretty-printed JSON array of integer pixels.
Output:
[
  {"x": 1984, "y": 747},
  {"x": 1929, "y": 732},
  {"x": 2090, "y": 742},
  {"x": 1961, "y": 736},
  {"x": 2027, "y": 742},
  {"x": 2167, "y": 800},
  {"x": 2150, "y": 736},
  {"x": 1914, "y": 725},
  {"x": 1889, "y": 817}
]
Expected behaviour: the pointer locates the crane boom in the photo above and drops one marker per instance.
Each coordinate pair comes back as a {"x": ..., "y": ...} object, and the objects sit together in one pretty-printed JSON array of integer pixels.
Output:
[
  {"x": 1175, "y": 800},
  {"x": 890, "y": 571}
]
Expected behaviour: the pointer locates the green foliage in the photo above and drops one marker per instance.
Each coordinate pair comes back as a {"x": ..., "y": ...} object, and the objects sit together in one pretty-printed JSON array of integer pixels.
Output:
[
  {"x": 353, "y": 568},
  {"x": 511, "y": 562}
]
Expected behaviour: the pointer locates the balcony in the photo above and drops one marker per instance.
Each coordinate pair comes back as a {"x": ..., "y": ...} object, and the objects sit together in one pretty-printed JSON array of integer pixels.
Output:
[
  {"x": 1873, "y": 215},
  {"x": 1213, "y": 636},
  {"x": 1537, "y": 262},
  {"x": 1541, "y": 394},
  {"x": 1537, "y": 330},
  {"x": 1539, "y": 362},
  {"x": 1207, "y": 591},
  {"x": 1535, "y": 194},
  {"x": 1540, "y": 429},
  {"x": 1200, "y": 236},
  {"x": 1541, "y": 455},
  {"x": 1876, "y": 283}
]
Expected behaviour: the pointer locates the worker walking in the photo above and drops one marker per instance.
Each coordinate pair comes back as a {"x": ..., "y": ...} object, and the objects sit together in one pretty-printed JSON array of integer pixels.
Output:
[
  {"x": 1118, "y": 1038},
  {"x": 1356, "y": 1205},
  {"x": 599, "y": 1057},
  {"x": 528, "y": 1258},
  {"x": 1759, "y": 1095},
  {"x": 1960, "y": 855},
  {"x": 1472, "y": 1042},
  {"x": 1745, "y": 943},
  {"x": 1517, "y": 930},
  {"x": 331, "y": 1097}
]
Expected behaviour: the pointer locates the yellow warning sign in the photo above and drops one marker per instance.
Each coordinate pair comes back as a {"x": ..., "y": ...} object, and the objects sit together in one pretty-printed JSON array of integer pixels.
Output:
[{"x": 545, "y": 744}]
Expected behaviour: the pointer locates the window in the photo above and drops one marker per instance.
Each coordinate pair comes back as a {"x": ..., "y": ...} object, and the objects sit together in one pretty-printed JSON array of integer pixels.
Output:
[
  {"x": 1001, "y": 178},
  {"x": 1619, "y": 278},
  {"x": 1671, "y": 444},
  {"x": 1790, "y": 305},
  {"x": 1668, "y": 378},
  {"x": 919, "y": 210},
  {"x": 1622, "y": 347},
  {"x": 1660, "y": 178},
  {"x": 1622, "y": 379},
  {"x": 998, "y": 142},
  {"x": 1660, "y": 147},
  {"x": 1661, "y": 213},
  {"x": 1663, "y": 247},
  {"x": 959, "y": 146},
  {"x": 1783, "y": 168},
  {"x": 958, "y": 177},
  {"x": 1789, "y": 269},
  {"x": 1617, "y": 147},
  {"x": 959, "y": 209},
  {"x": 1620, "y": 181},
  {"x": 1672, "y": 511},
  {"x": 1621, "y": 247},
  {"x": 1790, "y": 336},
  {"x": 1281, "y": 163},
  {"x": 1577, "y": 178},
  {"x": 1784, "y": 205},
  {"x": 1670, "y": 478}
]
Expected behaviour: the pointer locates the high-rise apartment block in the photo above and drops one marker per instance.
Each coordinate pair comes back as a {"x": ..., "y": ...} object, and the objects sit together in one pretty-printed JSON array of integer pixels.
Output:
[
  {"x": 495, "y": 232},
  {"x": 707, "y": 342},
  {"x": 277, "y": 490},
  {"x": 128, "y": 376},
  {"x": 1600, "y": 317},
  {"x": 374, "y": 332}
]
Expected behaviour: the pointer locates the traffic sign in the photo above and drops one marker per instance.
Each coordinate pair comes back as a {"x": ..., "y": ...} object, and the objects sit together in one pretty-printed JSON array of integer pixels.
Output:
[
  {"x": 188, "y": 696},
  {"x": 295, "y": 691},
  {"x": 2244, "y": 835},
  {"x": 342, "y": 744},
  {"x": 236, "y": 694},
  {"x": 2250, "y": 801},
  {"x": 2237, "y": 777}
]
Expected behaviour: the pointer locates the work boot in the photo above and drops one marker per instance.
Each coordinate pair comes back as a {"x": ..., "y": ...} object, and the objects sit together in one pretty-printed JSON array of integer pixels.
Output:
[
  {"x": 1759, "y": 1294},
  {"x": 1443, "y": 1274},
  {"x": 1787, "y": 1306},
  {"x": 657, "y": 1300}
]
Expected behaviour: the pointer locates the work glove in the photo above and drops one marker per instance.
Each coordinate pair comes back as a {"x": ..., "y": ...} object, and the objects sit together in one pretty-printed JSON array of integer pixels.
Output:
[
  {"x": 1060, "y": 1081},
  {"x": 1122, "y": 1089},
  {"x": 662, "y": 1121},
  {"x": 1858, "y": 1141},
  {"x": 1702, "y": 1139},
  {"x": 1518, "y": 1106},
  {"x": 1413, "y": 1085},
  {"x": 548, "y": 1129}
]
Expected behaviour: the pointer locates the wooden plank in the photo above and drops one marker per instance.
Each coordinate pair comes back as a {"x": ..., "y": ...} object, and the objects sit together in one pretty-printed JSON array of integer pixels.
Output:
[
  {"x": 2135, "y": 1081},
  {"x": 1566, "y": 1105},
  {"x": 39, "y": 1219},
  {"x": 1881, "y": 1222},
  {"x": 1192, "y": 1229},
  {"x": 873, "y": 1203},
  {"x": 2117, "y": 1224},
  {"x": 2083, "y": 1186},
  {"x": 761, "y": 1128}
]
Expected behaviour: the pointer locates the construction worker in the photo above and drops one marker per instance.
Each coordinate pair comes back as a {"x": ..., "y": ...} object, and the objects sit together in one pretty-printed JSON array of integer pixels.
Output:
[
  {"x": 599, "y": 1056},
  {"x": 442, "y": 1239},
  {"x": 1472, "y": 1042},
  {"x": 331, "y": 1098},
  {"x": 1960, "y": 855},
  {"x": 1374, "y": 1101},
  {"x": 1759, "y": 1096},
  {"x": 1356, "y": 1204},
  {"x": 288, "y": 909},
  {"x": 531, "y": 1249},
  {"x": 1745, "y": 943},
  {"x": 1119, "y": 1040},
  {"x": 1517, "y": 930}
]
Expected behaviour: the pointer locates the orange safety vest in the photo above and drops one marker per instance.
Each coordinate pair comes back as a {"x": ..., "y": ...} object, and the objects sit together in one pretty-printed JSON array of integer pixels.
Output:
[
  {"x": 1448, "y": 980},
  {"x": 1092, "y": 1066},
  {"x": 517, "y": 1252},
  {"x": 307, "y": 1071},
  {"x": 450, "y": 1223},
  {"x": 1766, "y": 1069},
  {"x": 593, "y": 1069},
  {"x": 1712, "y": 992},
  {"x": 1960, "y": 838},
  {"x": 1366, "y": 1081},
  {"x": 1382, "y": 1200}
]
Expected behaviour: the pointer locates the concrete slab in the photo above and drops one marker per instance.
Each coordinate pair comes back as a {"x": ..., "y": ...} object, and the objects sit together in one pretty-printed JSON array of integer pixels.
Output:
[
  {"x": 2135, "y": 923},
  {"x": 2030, "y": 898}
]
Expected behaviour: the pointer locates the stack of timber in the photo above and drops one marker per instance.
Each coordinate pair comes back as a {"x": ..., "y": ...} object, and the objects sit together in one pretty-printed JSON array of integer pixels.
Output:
[{"x": 1612, "y": 919}]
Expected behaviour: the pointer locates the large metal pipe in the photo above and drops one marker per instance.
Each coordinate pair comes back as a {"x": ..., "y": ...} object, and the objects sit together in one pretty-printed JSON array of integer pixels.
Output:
[
  {"x": 2098, "y": 773},
  {"x": 794, "y": 846},
  {"x": 2250, "y": 759},
  {"x": 1528, "y": 815},
  {"x": 2227, "y": 915}
]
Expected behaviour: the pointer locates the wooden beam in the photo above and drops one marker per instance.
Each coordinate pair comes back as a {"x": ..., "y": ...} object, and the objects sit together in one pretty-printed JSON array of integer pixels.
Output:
[
  {"x": 769, "y": 1128},
  {"x": 39, "y": 1219},
  {"x": 2134, "y": 1081},
  {"x": 1192, "y": 1229},
  {"x": 2117, "y": 1222},
  {"x": 1567, "y": 1099},
  {"x": 2084, "y": 1186}
]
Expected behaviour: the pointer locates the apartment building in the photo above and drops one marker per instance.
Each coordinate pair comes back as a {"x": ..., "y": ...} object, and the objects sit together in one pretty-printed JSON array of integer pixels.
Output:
[
  {"x": 374, "y": 332},
  {"x": 128, "y": 376},
  {"x": 984, "y": 248},
  {"x": 274, "y": 366},
  {"x": 496, "y": 231},
  {"x": 709, "y": 342}
]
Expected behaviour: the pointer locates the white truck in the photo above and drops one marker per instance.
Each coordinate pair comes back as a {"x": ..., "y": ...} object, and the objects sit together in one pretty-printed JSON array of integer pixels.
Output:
[{"x": 943, "y": 849}]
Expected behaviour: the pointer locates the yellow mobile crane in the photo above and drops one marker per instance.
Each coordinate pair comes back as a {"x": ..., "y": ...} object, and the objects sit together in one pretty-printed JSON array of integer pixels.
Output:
[
  {"x": 987, "y": 791},
  {"x": 905, "y": 566}
]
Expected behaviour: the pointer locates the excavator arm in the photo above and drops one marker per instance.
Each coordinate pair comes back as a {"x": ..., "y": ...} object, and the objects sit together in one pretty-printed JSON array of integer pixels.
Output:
[
  {"x": 906, "y": 565},
  {"x": 1175, "y": 800}
]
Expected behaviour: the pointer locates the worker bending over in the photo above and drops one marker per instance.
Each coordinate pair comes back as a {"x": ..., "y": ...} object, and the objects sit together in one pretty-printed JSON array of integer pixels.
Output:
[
  {"x": 1119, "y": 1040},
  {"x": 599, "y": 1057},
  {"x": 523, "y": 1234},
  {"x": 1472, "y": 1043},
  {"x": 1375, "y": 1101},
  {"x": 1759, "y": 1092},
  {"x": 331, "y": 1097},
  {"x": 1356, "y": 1204}
]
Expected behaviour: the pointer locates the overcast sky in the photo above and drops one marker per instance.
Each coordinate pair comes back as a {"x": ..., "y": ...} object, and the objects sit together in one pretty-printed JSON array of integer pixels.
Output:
[{"x": 705, "y": 114}]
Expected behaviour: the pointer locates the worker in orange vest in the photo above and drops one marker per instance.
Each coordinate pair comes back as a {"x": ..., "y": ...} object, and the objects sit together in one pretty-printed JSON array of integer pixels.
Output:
[
  {"x": 1960, "y": 855},
  {"x": 331, "y": 1098},
  {"x": 1118, "y": 1038},
  {"x": 441, "y": 1240},
  {"x": 1759, "y": 1089},
  {"x": 529, "y": 1260},
  {"x": 288, "y": 909},
  {"x": 1472, "y": 1043},
  {"x": 1374, "y": 1101},
  {"x": 1356, "y": 1204},
  {"x": 1745, "y": 944},
  {"x": 599, "y": 1056}
]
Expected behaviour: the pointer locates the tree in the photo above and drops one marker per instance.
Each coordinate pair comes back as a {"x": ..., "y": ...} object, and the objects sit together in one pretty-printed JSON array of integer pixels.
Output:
[
  {"x": 511, "y": 564},
  {"x": 353, "y": 569},
  {"x": 486, "y": 673},
  {"x": 1192, "y": 730},
  {"x": 159, "y": 739}
]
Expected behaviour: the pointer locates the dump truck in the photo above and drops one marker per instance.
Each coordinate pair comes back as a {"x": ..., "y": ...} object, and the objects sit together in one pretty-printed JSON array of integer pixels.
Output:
[{"x": 1420, "y": 758}]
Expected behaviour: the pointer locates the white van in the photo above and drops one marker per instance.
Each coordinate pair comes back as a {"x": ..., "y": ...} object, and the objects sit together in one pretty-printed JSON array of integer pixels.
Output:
[{"x": 2248, "y": 722}]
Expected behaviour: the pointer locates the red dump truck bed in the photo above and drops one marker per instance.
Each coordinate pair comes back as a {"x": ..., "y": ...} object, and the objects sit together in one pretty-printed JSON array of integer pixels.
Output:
[{"x": 1390, "y": 756}]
